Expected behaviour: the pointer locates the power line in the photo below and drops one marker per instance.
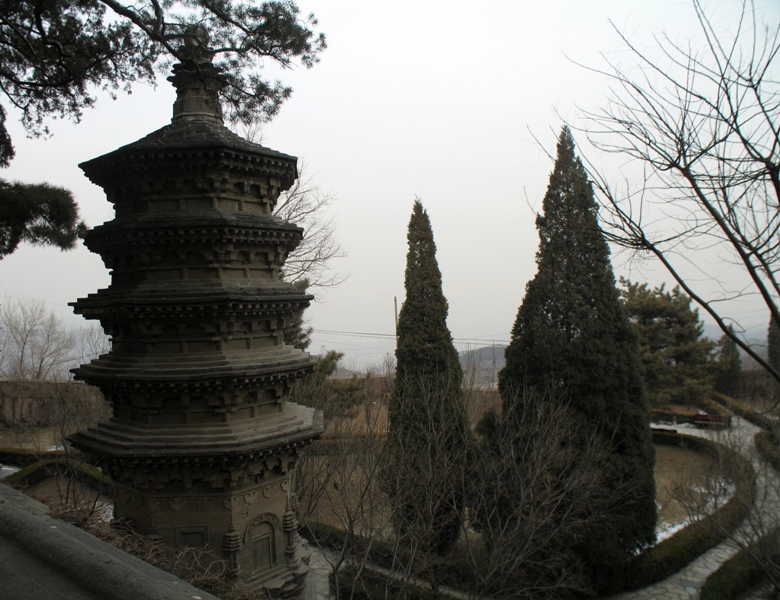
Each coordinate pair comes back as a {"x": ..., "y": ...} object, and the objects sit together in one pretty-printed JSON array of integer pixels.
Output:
[{"x": 391, "y": 336}]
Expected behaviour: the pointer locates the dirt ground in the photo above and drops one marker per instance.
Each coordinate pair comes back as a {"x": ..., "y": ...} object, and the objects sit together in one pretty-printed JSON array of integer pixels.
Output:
[{"x": 674, "y": 467}]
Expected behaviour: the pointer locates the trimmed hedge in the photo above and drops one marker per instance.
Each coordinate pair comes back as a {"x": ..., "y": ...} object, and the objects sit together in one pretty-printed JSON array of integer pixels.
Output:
[
  {"x": 84, "y": 473},
  {"x": 371, "y": 585},
  {"x": 21, "y": 458},
  {"x": 766, "y": 444},
  {"x": 450, "y": 570},
  {"x": 734, "y": 576},
  {"x": 658, "y": 415},
  {"x": 674, "y": 553},
  {"x": 744, "y": 411}
]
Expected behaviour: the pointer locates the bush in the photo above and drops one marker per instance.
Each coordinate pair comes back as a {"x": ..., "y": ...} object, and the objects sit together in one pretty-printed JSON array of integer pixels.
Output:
[
  {"x": 732, "y": 578},
  {"x": 766, "y": 444},
  {"x": 736, "y": 575},
  {"x": 450, "y": 570},
  {"x": 22, "y": 458},
  {"x": 84, "y": 473},
  {"x": 366, "y": 584}
]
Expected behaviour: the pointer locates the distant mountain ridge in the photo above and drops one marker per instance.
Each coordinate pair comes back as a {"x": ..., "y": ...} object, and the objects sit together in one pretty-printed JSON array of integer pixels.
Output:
[{"x": 484, "y": 363}]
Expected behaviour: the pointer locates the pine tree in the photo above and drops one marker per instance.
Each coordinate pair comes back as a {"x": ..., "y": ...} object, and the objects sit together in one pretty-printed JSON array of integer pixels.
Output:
[
  {"x": 572, "y": 338},
  {"x": 675, "y": 355},
  {"x": 40, "y": 214},
  {"x": 427, "y": 435}
]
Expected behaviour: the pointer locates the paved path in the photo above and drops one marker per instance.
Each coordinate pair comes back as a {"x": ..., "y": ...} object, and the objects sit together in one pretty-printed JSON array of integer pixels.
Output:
[
  {"x": 685, "y": 584},
  {"x": 317, "y": 585}
]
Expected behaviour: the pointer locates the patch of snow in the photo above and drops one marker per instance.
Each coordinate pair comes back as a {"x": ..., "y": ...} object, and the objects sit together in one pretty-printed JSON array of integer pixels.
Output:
[
  {"x": 667, "y": 530},
  {"x": 6, "y": 470}
]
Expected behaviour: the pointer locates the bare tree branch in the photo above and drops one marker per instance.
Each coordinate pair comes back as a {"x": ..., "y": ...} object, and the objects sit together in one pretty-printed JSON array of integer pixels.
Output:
[{"x": 704, "y": 127}]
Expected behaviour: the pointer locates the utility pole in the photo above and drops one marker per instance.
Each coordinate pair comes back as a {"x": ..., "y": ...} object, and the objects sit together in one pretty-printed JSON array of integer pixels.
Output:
[{"x": 395, "y": 302}]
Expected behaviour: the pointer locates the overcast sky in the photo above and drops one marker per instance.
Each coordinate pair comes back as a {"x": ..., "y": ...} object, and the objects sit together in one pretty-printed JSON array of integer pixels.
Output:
[{"x": 440, "y": 100}]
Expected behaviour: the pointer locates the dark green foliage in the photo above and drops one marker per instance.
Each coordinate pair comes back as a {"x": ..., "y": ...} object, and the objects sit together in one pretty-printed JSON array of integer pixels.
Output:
[
  {"x": 675, "y": 357},
  {"x": 428, "y": 432},
  {"x": 768, "y": 447},
  {"x": 366, "y": 584},
  {"x": 572, "y": 338},
  {"x": 39, "y": 214},
  {"x": 54, "y": 54},
  {"x": 733, "y": 577},
  {"x": 728, "y": 367},
  {"x": 328, "y": 363},
  {"x": 539, "y": 483},
  {"x": 20, "y": 457},
  {"x": 82, "y": 472}
]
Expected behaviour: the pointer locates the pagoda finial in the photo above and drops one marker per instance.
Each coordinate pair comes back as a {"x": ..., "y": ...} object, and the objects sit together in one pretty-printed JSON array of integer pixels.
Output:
[{"x": 196, "y": 79}]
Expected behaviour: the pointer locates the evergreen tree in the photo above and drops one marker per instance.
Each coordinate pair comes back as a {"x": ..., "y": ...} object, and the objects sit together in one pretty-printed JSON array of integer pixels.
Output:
[
  {"x": 675, "y": 356},
  {"x": 40, "y": 214},
  {"x": 427, "y": 435},
  {"x": 728, "y": 367},
  {"x": 55, "y": 55},
  {"x": 572, "y": 338}
]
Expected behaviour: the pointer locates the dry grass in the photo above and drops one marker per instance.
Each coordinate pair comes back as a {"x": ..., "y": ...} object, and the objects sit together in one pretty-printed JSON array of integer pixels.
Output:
[
  {"x": 675, "y": 467},
  {"x": 38, "y": 439}
]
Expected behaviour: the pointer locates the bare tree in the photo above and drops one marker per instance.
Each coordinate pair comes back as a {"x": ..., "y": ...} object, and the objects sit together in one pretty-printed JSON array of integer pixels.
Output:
[
  {"x": 306, "y": 204},
  {"x": 337, "y": 484},
  {"x": 531, "y": 491},
  {"x": 35, "y": 342},
  {"x": 91, "y": 342},
  {"x": 727, "y": 479},
  {"x": 703, "y": 126},
  {"x": 537, "y": 486}
]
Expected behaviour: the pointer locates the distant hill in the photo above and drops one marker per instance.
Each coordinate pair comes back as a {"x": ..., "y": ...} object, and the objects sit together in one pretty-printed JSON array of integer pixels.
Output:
[{"x": 484, "y": 362}]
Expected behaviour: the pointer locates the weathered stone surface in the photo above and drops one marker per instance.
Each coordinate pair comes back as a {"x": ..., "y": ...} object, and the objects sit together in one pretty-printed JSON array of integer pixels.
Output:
[{"x": 202, "y": 437}]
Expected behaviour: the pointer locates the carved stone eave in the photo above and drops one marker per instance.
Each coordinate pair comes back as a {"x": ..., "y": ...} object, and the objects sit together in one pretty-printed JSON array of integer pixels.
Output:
[
  {"x": 189, "y": 147},
  {"x": 288, "y": 431}
]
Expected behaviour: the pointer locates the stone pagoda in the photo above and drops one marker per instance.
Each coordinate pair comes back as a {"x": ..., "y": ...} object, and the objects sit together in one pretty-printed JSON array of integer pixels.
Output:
[{"x": 202, "y": 439}]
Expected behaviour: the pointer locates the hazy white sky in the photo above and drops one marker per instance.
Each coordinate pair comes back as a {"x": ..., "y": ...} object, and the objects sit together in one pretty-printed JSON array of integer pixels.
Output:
[{"x": 434, "y": 99}]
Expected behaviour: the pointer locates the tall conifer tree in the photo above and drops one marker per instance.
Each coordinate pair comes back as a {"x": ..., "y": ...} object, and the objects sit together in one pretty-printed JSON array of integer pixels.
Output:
[
  {"x": 572, "y": 338},
  {"x": 427, "y": 434}
]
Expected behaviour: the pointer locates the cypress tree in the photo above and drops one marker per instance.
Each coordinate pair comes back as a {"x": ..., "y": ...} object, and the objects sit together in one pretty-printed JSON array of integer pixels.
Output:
[
  {"x": 572, "y": 338},
  {"x": 427, "y": 435}
]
